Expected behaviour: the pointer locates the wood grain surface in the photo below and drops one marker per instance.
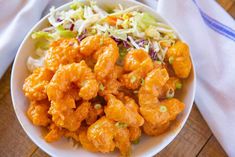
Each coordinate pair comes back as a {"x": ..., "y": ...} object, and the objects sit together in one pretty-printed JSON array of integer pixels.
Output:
[{"x": 195, "y": 139}]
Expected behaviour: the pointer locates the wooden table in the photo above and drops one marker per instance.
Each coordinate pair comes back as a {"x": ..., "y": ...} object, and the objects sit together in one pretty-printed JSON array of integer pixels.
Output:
[{"x": 195, "y": 139}]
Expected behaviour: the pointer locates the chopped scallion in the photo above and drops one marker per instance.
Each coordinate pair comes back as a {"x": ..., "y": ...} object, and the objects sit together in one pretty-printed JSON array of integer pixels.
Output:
[
  {"x": 93, "y": 31},
  {"x": 142, "y": 81},
  {"x": 159, "y": 62},
  {"x": 133, "y": 79},
  {"x": 136, "y": 141},
  {"x": 101, "y": 87},
  {"x": 122, "y": 52},
  {"x": 121, "y": 125},
  {"x": 178, "y": 85},
  {"x": 171, "y": 60},
  {"x": 97, "y": 106},
  {"x": 101, "y": 41},
  {"x": 163, "y": 108}
]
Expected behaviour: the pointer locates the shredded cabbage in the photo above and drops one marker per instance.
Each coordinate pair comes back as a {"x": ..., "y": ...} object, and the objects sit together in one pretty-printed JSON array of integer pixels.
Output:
[
  {"x": 88, "y": 12},
  {"x": 133, "y": 42},
  {"x": 118, "y": 34},
  {"x": 144, "y": 20},
  {"x": 78, "y": 14},
  {"x": 129, "y": 27},
  {"x": 33, "y": 63},
  {"x": 164, "y": 30},
  {"x": 147, "y": 47},
  {"x": 42, "y": 35},
  {"x": 102, "y": 28},
  {"x": 119, "y": 12},
  {"x": 152, "y": 32},
  {"x": 88, "y": 22},
  {"x": 100, "y": 11},
  {"x": 76, "y": 4},
  {"x": 53, "y": 18}
]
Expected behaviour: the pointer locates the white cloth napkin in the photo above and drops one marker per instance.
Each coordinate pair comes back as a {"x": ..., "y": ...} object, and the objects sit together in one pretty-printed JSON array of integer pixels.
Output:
[
  {"x": 16, "y": 18},
  {"x": 210, "y": 31},
  {"x": 212, "y": 46},
  {"x": 213, "y": 52}
]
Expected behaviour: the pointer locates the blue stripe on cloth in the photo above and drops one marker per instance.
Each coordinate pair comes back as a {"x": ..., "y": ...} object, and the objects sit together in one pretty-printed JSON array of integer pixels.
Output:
[{"x": 216, "y": 25}]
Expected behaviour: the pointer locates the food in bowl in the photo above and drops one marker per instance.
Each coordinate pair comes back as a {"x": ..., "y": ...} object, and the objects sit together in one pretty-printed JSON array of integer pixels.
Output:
[{"x": 105, "y": 76}]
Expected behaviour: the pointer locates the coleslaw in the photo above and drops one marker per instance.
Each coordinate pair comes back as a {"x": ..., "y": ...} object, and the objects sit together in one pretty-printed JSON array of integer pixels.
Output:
[{"x": 129, "y": 27}]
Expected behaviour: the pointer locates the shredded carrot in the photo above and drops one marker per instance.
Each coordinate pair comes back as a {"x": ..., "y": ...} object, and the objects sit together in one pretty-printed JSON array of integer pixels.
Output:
[{"x": 112, "y": 20}]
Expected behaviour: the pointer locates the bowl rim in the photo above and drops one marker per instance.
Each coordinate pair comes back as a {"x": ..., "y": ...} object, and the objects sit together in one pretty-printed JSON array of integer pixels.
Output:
[{"x": 151, "y": 152}]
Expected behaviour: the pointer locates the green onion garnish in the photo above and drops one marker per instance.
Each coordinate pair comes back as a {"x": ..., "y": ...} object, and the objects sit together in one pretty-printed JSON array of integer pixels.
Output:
[
  {"x": 93, "y": 31},
  {"x": 163, "y": 108},
  {"x": 142, "y": 81},
  {"x": 122, "y": 52},
  {"x": 97, "y": 106},
  {"x": 121, "y": 125},
  {"x": 159, "y": 62},
  {"x": 133, "y": 79},
  {"x": 178, "y": 85},
  {"x": 171, "y": 59},
  {"x": 101, "y": 41},
  {"x": 101, "y": 87},
  {"x": 136, "y": 141}
]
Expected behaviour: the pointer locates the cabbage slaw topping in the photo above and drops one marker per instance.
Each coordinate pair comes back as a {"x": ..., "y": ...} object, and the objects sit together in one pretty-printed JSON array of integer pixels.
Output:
[{"x": 129, "y": 27}]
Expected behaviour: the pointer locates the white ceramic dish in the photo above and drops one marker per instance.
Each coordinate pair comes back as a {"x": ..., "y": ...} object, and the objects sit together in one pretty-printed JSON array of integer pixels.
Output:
[{"x": 148, "y": 146}]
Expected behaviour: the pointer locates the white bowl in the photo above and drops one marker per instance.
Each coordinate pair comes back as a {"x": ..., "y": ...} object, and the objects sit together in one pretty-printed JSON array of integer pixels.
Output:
[{"x": 148, "y": 146}]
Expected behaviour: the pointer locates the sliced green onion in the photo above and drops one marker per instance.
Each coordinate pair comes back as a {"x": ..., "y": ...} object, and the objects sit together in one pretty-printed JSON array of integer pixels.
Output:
[
  {"x": 106, "y": 34},
  {"x": 171, "y": 59},
  {"x": 136, "y": 141},
  {"x": 178, "y": 85},
  {"x": 93, "y": 31},
  {"x": 97, "y": 106},
  {"x": 170, "y": 93},
  {"x": 101, "y": 41},
  {"x": 133, "y": 79},
  {"x": 142, "y": 81},
  {"x": 101, "y": 87},
  {"x": 122, "y": 52},
  {"x": 159, "y": 62},
  {"x": 163, "y": 108},
  {"x": 121, "y": 125}
]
